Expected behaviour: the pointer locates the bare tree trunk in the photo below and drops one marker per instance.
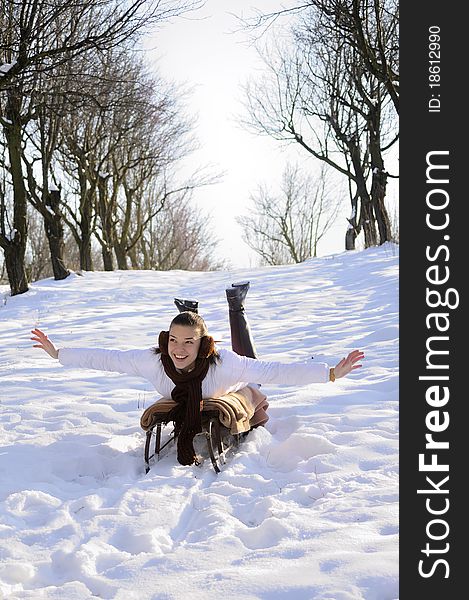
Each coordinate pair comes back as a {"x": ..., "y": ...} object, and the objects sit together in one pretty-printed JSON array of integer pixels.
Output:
[
  {"x": 121, "y": 257},
  {"x": 132, "y": 254},
  {"x": 86, "y": 230},
  {"x": 368, "y": 224},
  {"x": 86, "y": 262},
  {"x": 367, "y": 219},
  {"x": 108, "y": 262},
  {"x": 378, "y": 193},
  {"x": 122, "y": 239},
  {"x": 350, "y": 238},
  {"x": 105, "y": 207},
  {"x": 379, "y": 178},
  {"x": 14, "y": 263},
  {"x": 146, "y": 248},
  {"x": 353, "y": 228},
  {"x": 16, "y": 249},
  {"x": 55, "y": 234}
]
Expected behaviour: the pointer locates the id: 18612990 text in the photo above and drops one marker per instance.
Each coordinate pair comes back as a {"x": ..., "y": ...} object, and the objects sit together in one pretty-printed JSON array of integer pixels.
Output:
[{"x": 434, "y": 77}]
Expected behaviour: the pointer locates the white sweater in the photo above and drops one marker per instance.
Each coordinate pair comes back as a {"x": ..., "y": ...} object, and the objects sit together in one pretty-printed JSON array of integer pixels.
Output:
[{"x": 232, "y": 372}]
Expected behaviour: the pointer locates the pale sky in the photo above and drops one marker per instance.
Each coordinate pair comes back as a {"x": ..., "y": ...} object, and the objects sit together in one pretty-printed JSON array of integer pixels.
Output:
[{"x": 208, "y": 51}]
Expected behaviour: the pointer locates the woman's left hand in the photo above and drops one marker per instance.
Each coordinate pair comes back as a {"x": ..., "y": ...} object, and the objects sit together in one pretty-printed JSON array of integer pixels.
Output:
[{"x": 348, "y": 364}]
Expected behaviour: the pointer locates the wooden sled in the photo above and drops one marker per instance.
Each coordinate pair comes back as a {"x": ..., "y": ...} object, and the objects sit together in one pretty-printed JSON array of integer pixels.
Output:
[
  {"x": 226, "y": 421},
  {"x": 215, "y": 433}
]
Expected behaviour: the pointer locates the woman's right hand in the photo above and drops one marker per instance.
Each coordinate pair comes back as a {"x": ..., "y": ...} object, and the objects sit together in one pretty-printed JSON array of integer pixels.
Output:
[
  {"x": 44, "y": 343},
  {"x": 348, "y": 364}
]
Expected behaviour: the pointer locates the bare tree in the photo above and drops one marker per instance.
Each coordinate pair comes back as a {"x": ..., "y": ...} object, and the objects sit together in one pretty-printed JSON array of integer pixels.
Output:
[
  {"x": 117, "y": 149},
  {"x": 356, "y": 104},
  {"x": 38, "y": 264},
  {"x": 80, "y": 182},
  {"x": 157, "y": 135},
  {"x": 287, "y": 227},
  {"x": 320, "y": 96},
  {"x": 42, "y": 135},
  {"x": 14, "y": 224},
  {"x": 179, "y": 237},
  {"x": 6, "y": 204},
  {"x": 335, "y": 92}
]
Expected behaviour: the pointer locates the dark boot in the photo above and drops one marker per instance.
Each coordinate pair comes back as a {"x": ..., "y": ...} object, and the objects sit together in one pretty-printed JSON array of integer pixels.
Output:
[
  {"x": 236, "y": 295},
  {"x": 186, "y": 305},
  {"x": 241, "y": 337}
]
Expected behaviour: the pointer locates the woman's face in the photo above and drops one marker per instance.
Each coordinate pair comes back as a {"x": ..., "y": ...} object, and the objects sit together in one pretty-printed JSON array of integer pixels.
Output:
[{"x": 183, "y": 346}]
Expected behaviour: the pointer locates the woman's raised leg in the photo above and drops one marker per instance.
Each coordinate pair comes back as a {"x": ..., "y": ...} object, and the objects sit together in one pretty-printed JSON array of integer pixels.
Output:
[{"x": 241, "y": 336}]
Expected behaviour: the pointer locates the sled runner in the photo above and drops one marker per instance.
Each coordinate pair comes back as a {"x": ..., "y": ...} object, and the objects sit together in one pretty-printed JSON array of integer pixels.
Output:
[
  {"x": 225, "y": 422},
  {"x": 216, "y": 436}
]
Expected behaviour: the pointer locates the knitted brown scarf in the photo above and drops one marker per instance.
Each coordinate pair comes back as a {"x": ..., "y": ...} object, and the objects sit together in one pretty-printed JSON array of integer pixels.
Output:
[{"x": 188, "y": 396}]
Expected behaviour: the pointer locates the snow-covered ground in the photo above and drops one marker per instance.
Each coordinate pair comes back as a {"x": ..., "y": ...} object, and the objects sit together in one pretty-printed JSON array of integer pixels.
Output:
[{"x": 307, "y": 508}]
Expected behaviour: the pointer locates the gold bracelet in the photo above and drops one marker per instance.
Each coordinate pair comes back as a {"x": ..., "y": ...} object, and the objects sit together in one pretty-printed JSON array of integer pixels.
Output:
[{"x": 331, "y": 374}]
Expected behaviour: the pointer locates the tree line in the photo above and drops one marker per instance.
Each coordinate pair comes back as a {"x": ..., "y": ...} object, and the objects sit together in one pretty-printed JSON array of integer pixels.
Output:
[{"x": 91, "y": 137}]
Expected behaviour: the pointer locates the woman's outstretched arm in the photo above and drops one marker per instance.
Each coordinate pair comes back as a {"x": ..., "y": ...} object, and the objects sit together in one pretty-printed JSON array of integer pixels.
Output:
[
  {"x": 243, "y": 369},
  {"x": 142, "y": 363},
  {"x": 44, "y": 343}
]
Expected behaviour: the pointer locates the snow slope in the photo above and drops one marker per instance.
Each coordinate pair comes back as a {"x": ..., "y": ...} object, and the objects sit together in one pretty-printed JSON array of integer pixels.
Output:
[{"x": 306, "y": 509}]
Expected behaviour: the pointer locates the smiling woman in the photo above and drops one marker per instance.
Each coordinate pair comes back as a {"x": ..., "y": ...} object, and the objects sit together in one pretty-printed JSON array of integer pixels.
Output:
[{"x": 187, "y": 367}]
